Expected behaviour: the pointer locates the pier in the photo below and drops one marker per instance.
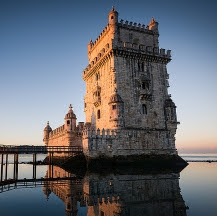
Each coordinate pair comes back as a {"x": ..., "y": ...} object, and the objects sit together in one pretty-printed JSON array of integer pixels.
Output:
[{"x": 6, "y": 150}]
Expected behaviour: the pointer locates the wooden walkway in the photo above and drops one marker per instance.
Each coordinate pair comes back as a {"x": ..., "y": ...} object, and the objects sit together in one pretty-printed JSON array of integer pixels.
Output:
[
  {"x": 9, "y": 149},
  {"x": 51, "y": 151}
]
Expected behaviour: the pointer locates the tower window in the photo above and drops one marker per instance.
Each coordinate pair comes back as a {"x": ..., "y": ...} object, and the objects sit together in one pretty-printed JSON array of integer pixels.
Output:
[
  {"x": 97, "y": 76},
  {"x": 98, "y": 114},
  {"x": 112, "y": 17},
  {"x": 114, "y": 107},
  {"x": 142, "y": 66},
  {"x": 68, "y": 122},
  {"x": 144, "y": 109}
]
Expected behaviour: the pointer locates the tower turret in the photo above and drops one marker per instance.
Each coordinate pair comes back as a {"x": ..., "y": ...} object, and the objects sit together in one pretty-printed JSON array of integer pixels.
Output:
[
  {"x": 70, "y": 120},
  {"x": 116, "y": 105},
  {"x": 113, "y": 17},
  {"x": 153, "y": 25},
  {"x": 47, "y": 130}
]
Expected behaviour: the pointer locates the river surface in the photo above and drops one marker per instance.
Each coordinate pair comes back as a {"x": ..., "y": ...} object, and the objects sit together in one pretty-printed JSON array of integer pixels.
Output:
[{"x": 193, "y": 191}]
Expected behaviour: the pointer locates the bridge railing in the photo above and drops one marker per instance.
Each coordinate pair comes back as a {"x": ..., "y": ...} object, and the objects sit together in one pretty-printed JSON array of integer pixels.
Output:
[{"x": 9, "y": 149}]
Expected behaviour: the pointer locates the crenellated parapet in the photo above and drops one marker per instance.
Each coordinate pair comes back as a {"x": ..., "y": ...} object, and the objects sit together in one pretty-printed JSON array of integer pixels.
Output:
[
  {"x": 127, "y": 49},
  {"x": 126, "y": 142},
  {"x": 135, "y": 26},
  {"x": 99, "y": 134},
  {"x": 94, "y": 44},
  {"x": 153, "y": 53},
  {"x": 57, "y": 132},
  {"x": 102, "y": 55}
]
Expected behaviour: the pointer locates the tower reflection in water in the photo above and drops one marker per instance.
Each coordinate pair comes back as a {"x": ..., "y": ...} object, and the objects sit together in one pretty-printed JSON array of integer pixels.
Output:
[{"x": 150, "y": 194}]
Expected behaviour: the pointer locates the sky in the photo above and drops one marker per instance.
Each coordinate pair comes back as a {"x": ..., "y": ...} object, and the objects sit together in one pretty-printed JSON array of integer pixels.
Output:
[{"x": 43, "y": 51}]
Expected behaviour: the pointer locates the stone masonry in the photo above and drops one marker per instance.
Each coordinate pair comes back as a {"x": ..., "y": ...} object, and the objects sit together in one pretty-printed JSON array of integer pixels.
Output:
[
  {"x": 69, "y": 134},
  {"x": 127, "y": 106}
]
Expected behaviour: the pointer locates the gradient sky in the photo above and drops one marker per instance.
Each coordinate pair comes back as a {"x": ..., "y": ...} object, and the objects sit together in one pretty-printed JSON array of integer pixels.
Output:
[{"x": 43, "y": 50}]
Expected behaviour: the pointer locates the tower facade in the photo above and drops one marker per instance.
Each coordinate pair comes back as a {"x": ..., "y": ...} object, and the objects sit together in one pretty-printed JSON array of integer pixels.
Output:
[{"x": 127, "y": 91}]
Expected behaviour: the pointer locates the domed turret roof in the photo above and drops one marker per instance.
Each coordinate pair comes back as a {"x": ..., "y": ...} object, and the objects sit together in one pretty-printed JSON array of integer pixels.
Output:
[
  {"x": 70, "y": 113},
  {"x": 115, "y": 98},
  {"x": 48, "y": 128},
  {"x": 169, "y": 103},
  {"x": 113, "y": 10}
]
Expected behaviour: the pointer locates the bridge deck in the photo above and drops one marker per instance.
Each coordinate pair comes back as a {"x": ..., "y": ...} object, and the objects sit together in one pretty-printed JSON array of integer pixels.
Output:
[{"x": 5, "y": 149}]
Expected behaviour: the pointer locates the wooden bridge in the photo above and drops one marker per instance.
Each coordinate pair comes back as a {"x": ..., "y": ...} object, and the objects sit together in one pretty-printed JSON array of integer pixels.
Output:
[
  {"x": 5, "y": 150},
  {"x": 9, "y": 149}
]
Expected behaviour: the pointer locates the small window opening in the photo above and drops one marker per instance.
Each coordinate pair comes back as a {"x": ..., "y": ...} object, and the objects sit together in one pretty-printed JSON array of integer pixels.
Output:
[
  {"x": 98, "y": 114},
  {"x": 97, "y": 76},
  {"x": 145, "y": 85},
  {"x": 112, "y": 17},
  {"x": 144, "y": 109},
  {"x": 138, "y": 66},
  {"x": 142, "y": 69},
  {"x": 68, "y": 122},
  {"x": 85, "y": 105},
  {"x": 114, "y": 107}
]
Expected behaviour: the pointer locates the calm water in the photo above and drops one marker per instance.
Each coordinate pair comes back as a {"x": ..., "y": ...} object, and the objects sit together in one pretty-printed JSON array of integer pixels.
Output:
[
  {"x": 199, "y": 157},
  {"x": 193, "y": 191}
]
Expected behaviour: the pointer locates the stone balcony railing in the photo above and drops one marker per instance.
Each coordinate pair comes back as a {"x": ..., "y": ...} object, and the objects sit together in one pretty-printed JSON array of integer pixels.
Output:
[
  {"x": 145, "y": 94},
  {"x": 97, "y": 101}
]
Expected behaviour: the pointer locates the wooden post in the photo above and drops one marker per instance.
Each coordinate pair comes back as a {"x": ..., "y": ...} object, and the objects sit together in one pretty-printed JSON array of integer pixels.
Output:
[
  {"x": 52, "y": 164},
  {"x": 16, "y": 166},
  {"x": 34, "y": 166},
  {"x": 2, "y": 162},
  {"x": 6, "y": 167}
]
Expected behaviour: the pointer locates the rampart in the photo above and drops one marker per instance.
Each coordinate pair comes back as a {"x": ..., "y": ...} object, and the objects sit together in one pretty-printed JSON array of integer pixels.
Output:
[{"x": 126, "y": 142}]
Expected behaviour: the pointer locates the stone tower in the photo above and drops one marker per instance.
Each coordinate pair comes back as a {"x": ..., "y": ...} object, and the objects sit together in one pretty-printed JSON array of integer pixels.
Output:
[
  {"x": 127, "y": 88},
  {"x": 47, "y": 130}
]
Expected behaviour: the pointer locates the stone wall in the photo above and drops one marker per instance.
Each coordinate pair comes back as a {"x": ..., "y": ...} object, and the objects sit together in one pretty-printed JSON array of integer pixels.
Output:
[{"x": 126, "y": 142}]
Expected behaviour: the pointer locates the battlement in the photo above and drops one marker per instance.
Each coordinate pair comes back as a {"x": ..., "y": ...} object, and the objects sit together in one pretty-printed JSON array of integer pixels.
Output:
[
  {"x": 127, "y": 142},
  {"x": 123, "y": 24},
  {"x": 99, "y": 134},
  {"x": 92, "y": 45},
  {"x": 135, "y": 26},
  {"x": 130, "y": 47},
  {"x": 58, "y": 131},
  {"x": 143, "y": 49},
  {"x": 99, "y": 56}
]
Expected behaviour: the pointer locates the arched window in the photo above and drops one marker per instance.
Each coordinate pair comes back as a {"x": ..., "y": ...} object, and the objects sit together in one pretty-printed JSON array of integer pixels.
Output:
[
  {"x": 68, "y": 122},
  {"x": 98, "y": 114},
  {"x": 144, "y": 109}
]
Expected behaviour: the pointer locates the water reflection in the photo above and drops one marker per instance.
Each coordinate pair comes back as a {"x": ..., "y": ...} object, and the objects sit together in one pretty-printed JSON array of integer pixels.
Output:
[{"x": 117, "y": 194}]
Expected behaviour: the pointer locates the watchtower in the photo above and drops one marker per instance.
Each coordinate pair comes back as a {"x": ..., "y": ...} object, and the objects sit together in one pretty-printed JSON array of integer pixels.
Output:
[{"x": 127, "y": 84}]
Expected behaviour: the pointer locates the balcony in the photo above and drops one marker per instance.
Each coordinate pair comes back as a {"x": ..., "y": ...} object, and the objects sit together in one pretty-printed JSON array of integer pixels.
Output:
[
  {"x": 97, "y": 101},
  {"x": 145, "y": 94}
]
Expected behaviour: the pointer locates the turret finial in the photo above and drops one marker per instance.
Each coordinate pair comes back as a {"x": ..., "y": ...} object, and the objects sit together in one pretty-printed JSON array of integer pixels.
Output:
[
  {"x": 70, "y": 106},
  {"x": 47, "y": 122},
  {"x": 113, "y": 8}
]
